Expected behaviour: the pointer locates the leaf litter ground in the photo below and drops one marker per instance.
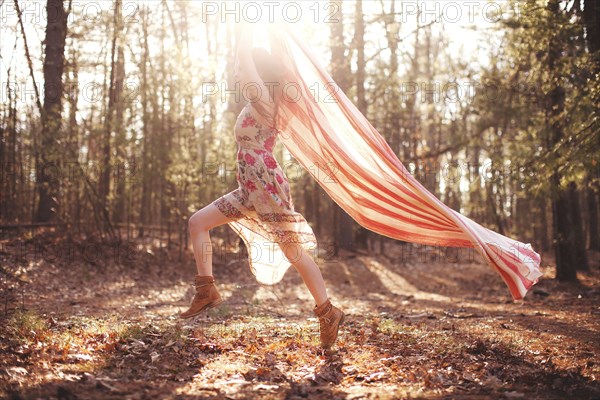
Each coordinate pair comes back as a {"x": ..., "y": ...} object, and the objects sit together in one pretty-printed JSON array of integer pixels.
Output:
[{"x": 94, "y": 322}]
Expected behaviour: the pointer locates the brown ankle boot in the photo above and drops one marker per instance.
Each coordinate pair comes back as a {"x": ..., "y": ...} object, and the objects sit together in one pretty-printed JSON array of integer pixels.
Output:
[
  {"x": 206, "y": 296},
  {"x": 330, "y": 319}
]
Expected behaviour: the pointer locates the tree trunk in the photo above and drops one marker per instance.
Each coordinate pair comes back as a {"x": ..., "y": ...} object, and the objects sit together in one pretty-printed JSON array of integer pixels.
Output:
[
  {"x": 392, "y": 27},
  {"x": 48, "y": 187},
  {"x": 540, "y": 230},
  {"x": 581, "y": 261},
  {"x": 562, "y": 221},
  {"x": 593, "y": 238},
  {"x": 591, "y": 17},
  {"x": 8, "y": 163},
  {"x": 340, "y": 72},
  {"x": 73, "y": 144},
  {"x": 393, "y": 112},
  {"x": 145, "y": 195},
  {"x": 413, "y": 124},
  {"x": 547, "y": 224},
  {"x": 565, "y": 259},
  {"x": 359, "y": 45},
  {"x": 475, "y": 195},
  {"x": 361, "y": 235},
  {"x": 120, "y": 139},
  {"x": 164, "y": 136},
  {"x": 431, "y": 179},
  {"x": 104, "y": 186},
  {"x": 340, "y": 67},
  {"x": 494, "y": 214}
]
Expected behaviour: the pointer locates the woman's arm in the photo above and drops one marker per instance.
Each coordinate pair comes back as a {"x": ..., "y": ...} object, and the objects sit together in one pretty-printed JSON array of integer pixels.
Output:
[
  {"x": 274, "y": 33},
  {"x": 251, "y": 83}
]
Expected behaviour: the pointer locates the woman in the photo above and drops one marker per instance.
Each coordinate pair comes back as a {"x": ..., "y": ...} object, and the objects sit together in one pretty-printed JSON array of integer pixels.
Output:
[
  {"x": 355, "y": 166},
  {"x": 261, "y": 209}
]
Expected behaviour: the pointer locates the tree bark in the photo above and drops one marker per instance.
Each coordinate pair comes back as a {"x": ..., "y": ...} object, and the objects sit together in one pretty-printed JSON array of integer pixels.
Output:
[
  {"x": 73, "y": 143},
  {"x": 120, "y": 139},
  {"x": 592, "y": 202},
  {"x": 104, "y": 186},
  {"x": 562, "y": 221},
  {"x": 565, "y": 265},
  {"x": 581, "y": 261},
  {"x": 393, "y": 124},
  {"x": 591, "y": 18},
  {"x": 49, "y": 185},
  {"x": 340, "y": 72},
  {"x": 361, "y": 234},
  {"x": 430, "y": 180},
  {"x": 145, "y": 195},
  {"x": 413, "y": 123},
  {"x": 393, "y": 112}
]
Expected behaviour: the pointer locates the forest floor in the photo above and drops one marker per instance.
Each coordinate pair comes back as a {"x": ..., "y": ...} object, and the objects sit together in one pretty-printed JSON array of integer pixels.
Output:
[{"x": 85, "y": 321}]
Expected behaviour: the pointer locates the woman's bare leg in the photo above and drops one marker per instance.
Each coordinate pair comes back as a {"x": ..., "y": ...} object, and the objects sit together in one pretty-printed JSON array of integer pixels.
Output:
[
  {"x": 199, "y": 225},
  {"x": 209, "y": 217},
  {"x": 308, "y": 269}
]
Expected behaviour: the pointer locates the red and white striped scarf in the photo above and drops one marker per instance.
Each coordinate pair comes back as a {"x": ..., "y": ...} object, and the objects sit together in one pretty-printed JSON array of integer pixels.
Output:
[{"x": 353, "y": 163}]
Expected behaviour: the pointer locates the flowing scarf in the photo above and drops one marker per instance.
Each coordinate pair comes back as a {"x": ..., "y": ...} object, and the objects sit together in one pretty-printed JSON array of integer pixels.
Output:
[{"x": 353, "y": 163}]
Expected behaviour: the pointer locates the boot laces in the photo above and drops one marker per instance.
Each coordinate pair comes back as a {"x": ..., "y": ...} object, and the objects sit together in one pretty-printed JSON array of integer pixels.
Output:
[
  {"x": 197, "y": 286},
  {"x": 201, "y": 294},
  {"x": 326, "y": 312}
]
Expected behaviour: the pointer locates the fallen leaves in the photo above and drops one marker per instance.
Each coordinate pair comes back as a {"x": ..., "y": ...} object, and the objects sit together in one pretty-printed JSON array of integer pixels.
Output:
[
  {"x": 390, "y": 348},
  {"x": 211, "y": 348},
  {"x": 376, "y": 376}
]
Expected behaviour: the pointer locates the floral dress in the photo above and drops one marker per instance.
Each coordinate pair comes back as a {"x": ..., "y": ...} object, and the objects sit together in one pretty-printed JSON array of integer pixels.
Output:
[{"x": 261, "y": 208}]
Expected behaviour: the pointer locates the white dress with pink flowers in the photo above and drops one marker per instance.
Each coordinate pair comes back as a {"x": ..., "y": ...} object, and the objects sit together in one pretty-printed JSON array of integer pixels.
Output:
[{"x": 261, "y": 208}]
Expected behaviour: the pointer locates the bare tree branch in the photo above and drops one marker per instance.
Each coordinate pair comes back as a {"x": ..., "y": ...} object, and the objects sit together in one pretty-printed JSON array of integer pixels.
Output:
[{"x": 37, "y": 94}]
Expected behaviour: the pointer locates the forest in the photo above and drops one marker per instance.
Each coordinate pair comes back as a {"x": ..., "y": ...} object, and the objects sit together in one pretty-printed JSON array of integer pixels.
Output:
[{"x": 117, "y": 125}]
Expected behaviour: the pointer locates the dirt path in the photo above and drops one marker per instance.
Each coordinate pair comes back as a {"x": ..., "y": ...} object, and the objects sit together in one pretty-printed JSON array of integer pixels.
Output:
[{"x": 79, "y": 325}]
